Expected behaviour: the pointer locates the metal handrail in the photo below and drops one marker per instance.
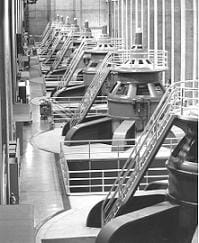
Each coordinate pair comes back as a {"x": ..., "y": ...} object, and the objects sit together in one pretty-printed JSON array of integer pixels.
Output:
[
  {"x": 51, "y": 51},
  {"x": 47, "y": 41},
  {"x": 51, "y": 38},
  {"x": 71, "y": 99},
  {"x": 63, "y": 108},
  {"x": 103, "y": 174},
  {"x": 63, "y": 50},
  {"x": 128, "y": 144},
  {"x": 146, "y": 145},
  {"x": 158, "y": 58},
  {"x": 46, "y": 37},
  {"x": 48, "y": 26},
  {"x": 64, "y": 170},
  {"x": 85, "y": 43},
  {"x": 92, "y": 91}
]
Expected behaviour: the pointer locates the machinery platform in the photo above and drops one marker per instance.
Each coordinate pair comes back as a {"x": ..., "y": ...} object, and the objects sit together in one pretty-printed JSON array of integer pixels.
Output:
[{"x": 61, "y": 227}]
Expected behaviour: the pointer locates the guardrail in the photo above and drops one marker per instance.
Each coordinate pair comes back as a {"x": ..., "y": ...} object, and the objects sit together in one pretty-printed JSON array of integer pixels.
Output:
[
  {"x": 178, "y": 100},
  {"x": 63, "y": 108},
  {"x": 93, "y": 179},
  {"x": 157, "y": 58}
]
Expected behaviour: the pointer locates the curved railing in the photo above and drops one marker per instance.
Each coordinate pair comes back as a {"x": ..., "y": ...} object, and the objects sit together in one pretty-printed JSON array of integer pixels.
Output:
[{"x": 158, "y": 58}]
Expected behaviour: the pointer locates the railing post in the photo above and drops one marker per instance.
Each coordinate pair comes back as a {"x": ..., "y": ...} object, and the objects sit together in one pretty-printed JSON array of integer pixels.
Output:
[
  {"x": 118, "y": 157},
  {"x": 89, "y": 161},
  {"x": 147, "y": 178},
  {"x": 103, "y": 181},
  {"x": 182, "y": 100}
]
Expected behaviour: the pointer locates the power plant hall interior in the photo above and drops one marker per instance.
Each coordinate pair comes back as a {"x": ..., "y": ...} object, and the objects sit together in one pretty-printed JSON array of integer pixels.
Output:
[{"x": 99, "y": 121}]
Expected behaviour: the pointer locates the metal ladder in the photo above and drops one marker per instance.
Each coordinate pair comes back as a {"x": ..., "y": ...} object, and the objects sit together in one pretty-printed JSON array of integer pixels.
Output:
[
  {"x": 63, "y": 50},
  {"x": 53, "y": 48},
  {"x": 91, "y": 91},
  {"x": 141, "y": 156},
  {"x": 85, "y": 43}
]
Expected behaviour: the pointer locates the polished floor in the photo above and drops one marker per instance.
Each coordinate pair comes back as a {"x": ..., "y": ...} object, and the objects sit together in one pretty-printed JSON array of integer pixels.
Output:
[{"x": 39, "y": 184}]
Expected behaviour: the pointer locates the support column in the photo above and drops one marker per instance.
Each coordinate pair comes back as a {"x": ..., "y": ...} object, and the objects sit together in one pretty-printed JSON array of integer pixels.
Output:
[
  {"x": 49, "y": 10},
  {"x": 126, "y": 24},
  {"x": 6, "y": 80},
  {"x": 119, "y": 18},
  {"x": 148, "y": 27},
  {"x": 13, "y": 48},
  {"x": 172, "y": 41},
  {"x": 9, "y": 66},
  {"x": 122, "y": 22},
  {"x": 99, "y": 7},
  {"x": 136, "y": 15},
  {"x": 183, "y": 41},
  {"x": 110, "y": 15},
  {"x": 80, "y": 13},
  {"x": 20, "y": 20},
  {"x": 131, "y": 23},
  {"x": 163, "y": 35},
  {"x": 155, "y": 26},
  {"x": 114, "y": 19},
  {"x": 141, "y": 17},
  {"x": 195, "y": 41},
  {"x": 3, "y": 135}
]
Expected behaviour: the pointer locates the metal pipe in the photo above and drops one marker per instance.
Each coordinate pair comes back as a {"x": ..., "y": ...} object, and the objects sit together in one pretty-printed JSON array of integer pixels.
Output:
[
  {"x": 5, "y": 82},
  {"x": 13, "y": 48}
]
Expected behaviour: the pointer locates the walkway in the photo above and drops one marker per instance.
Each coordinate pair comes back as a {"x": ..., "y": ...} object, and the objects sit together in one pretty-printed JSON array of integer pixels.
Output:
[{"x": 39, "y": 183}]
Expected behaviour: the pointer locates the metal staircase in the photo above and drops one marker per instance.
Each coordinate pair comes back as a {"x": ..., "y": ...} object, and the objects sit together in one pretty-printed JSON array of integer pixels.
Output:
[
  {"x": 144, "y": 151},
  {"x": 78, "y": 54},
  {"x": 46, "y": 37},
  {"x": 53, "y": 48},
  {"x": 91, "y": 91},
  {"x": 63, "y": 50},
  {"x": 60, "y": 110},
  {"x": 46, "y": 30},
  {"x": 50, "y": 41}
]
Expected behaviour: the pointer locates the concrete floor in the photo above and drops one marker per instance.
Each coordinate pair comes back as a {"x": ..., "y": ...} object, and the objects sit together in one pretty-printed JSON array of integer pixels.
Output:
[{"x": 39, "y": 183}]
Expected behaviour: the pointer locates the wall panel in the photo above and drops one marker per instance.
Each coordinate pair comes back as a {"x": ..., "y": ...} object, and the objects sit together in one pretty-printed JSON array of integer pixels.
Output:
[
  {"x": 176, "y": 30},
  {"x": 95, "y": 11}
]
